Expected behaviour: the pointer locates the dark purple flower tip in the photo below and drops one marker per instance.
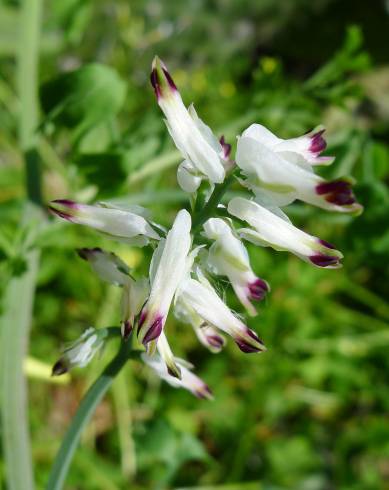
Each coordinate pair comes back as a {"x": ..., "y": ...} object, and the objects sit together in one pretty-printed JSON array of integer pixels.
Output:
[
  {"x": 65, "y": 202},
  {"x": 337, "y": 192},
  {"x": 215, "y": 341},
  {"x": 226, "y": 148},
  {"x": 249, "y": 347},
  {"x": 155, "y": 83},
  {"x": 258, "y": 289},
  {"x": 327, "y": 244},
  {"x": 87, "y": 253},
  {"x": 60, "y": 367},
  {"x": 126, "y": 329},
  {"x": 246, "y": 347},
  {"x": 160, "y": 78},
  {"x": 318, "y": 143},
  {"x": 322, "y": 260},
  {"x": 174, "y": 371},
  {"x": 204, "y": 393},
  {"x": 154, "y": 331}
]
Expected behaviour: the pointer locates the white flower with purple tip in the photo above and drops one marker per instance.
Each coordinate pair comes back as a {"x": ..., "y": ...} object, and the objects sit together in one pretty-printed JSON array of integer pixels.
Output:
[
  {"x": 80, "y": 352},
  {"x": 168, "y": 266},
  {"x": 201, "y": 297},
  {"x": 228, "y": 257},
  {"x": 206, "y": 334},
  {"x": 117, "y": 223},
  {"x": 284, "y": 176},
  {"x": 271, "y": 230},
  {"x": 192, "y": 137},
  {"x": 188, "y": 381}
]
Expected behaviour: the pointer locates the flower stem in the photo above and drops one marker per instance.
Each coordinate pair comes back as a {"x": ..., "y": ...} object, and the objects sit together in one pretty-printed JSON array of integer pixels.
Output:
[
  {"x": 84, "y": 413},
  {"x": 209, "y": 209}
]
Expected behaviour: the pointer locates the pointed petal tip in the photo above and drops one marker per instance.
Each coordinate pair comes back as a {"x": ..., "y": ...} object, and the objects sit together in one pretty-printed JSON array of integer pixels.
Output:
[{"x": 59, "y": 368}]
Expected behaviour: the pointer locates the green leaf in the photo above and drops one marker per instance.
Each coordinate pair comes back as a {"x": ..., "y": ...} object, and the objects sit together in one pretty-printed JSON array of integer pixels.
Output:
[{"x": 84, "y": 97}]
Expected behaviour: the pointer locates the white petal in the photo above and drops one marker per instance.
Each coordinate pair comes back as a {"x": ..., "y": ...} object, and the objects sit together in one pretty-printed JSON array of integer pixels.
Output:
[
  {"x": 172, "y": 262},
  {"x": 261, "y": 134},
  {"x": 108, "y": 266},
  {"x": 187, "y": 180}
]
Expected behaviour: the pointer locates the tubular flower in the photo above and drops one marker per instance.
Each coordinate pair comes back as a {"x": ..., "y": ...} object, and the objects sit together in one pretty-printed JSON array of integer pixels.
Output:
[
  {"x": 188, "y": 381},
  {"x": 228, "y": 257},
  {"x": 206, "y": 334},
  {"x": 80, "y": 352},
  {"x": 201, "y": 297},
  {"x": 288, "y": 175},
  {"x": 192, "y": 137},
  {"x": 122, "y": 225},
  {"x": 110, "y": 268},
  {"x": 168, "y": 266},
  {"x": 270, "y": 230}
]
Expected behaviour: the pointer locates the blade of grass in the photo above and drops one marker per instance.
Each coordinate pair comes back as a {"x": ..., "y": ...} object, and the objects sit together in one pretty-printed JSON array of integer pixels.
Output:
[{"x": 16, "y": 317}]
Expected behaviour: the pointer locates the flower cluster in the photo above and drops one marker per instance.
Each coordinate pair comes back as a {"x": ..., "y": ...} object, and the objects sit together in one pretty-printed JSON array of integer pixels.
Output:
[{"x": 274, "y": 172}]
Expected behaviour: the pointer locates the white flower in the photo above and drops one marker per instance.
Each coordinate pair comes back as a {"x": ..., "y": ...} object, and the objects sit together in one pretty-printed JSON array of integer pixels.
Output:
[
  {"x": 200, "y": 297},
  {"x": 188, "y": 381},
  {"x": 80, "y": 352},
  {"x": 110, "y": 268},
  {"x": 192, "y": 137},
  {"x": 228, "y": 257},
  {"x": 304, "y": 150},
  {"x": 271, "y": 230},
  {"x": 122, "y": 225},
  {"x": 287, "y": 175},
  {"x": 167, "y": 268},
  {"x": 206, "y": 334}
]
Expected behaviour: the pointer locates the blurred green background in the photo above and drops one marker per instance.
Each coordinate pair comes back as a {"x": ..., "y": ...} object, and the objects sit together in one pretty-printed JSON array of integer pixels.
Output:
[{"x": 312, "y": 412}]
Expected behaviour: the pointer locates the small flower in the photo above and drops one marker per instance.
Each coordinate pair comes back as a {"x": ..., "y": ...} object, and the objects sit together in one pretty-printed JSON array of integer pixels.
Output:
[
  {"x": 270, "y": 230},
  {"x": 200, "y": 297},
  {"x": 304, "y": 150},
  {"x": 206, "y": 334},
  {"x": 188, "y": 381},
  {"x": 110, "y": 268},
  {"x": 192, "y": 137},
  {"x": 168, "y": 266},
  {"x": 122, "y": 225},
  {"x": 285, "y": 175},
  {"x": 228, "y": 257},
  {"x": 80, "y": 352}
]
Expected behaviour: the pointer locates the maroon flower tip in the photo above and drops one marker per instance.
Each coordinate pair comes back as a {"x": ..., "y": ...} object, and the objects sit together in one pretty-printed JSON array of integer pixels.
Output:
[
  {"x": 327, "y": 244},
  {"x": 258, "y": 289},
  {"x": 60, "y": 367},
  {"x": 322, "y": 260},
  {"x": 169, "y": 79},
  {"x": 142, "y": 318},
  {"x": 226, "y": 147},
  {"x": 155, "y": 83},
  {"x": 205, "y": 393},
  {"x": 318, "y": 143},
  {"x": 245, "y": 347},
  {"x": 65, "y": 202},
  {"x": 254, "y": 336},
  {"x": 215, "y": 341},
  {"x": 127, "y": 329},
  {"x": 154, "y": 331},
  {"x": 337, "y": 192}
]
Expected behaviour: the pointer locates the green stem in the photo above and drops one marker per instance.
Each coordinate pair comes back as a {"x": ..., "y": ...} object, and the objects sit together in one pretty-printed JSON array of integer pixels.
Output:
[
  {"x": 209, "y": 209},
  {"x": 84, "y": 413}
]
